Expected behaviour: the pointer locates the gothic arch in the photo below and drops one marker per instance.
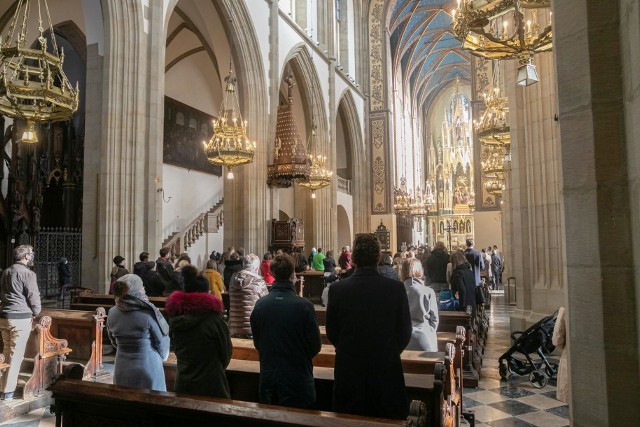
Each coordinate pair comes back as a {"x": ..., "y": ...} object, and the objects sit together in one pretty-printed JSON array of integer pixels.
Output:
[
  {"x": 360, "y": 189},
  {"x": 245, "y": 210},
  {"x": 319, "y": 224}
]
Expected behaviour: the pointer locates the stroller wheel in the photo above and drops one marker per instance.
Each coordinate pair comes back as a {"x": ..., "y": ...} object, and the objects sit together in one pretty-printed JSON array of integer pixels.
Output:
[
  {"x": 552, "y": 370},
  {"x": 505, "y": 374},
  {"x": 538, "y": 378}
]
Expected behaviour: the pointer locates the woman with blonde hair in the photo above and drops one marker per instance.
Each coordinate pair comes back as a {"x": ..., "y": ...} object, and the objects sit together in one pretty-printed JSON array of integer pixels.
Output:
[
  {"x": 215, "y": 279},
  {"x": 423, "y": 307}
]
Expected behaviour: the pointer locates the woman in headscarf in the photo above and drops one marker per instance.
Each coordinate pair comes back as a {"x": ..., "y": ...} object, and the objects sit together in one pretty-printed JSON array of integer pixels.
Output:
[
  {"x": 140, "y": 335},
  {"x": 200, "y": 337},
  {"x": 246, "y": 288}
]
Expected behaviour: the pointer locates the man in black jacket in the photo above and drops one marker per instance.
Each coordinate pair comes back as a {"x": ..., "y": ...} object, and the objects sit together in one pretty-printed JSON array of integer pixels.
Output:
[
  {"x": 369, "y": 324},
  {"x": 286, "y": 335}
]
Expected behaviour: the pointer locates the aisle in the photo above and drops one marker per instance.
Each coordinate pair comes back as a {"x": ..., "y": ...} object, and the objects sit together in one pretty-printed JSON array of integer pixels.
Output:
[{"x": 514, "y": 402}]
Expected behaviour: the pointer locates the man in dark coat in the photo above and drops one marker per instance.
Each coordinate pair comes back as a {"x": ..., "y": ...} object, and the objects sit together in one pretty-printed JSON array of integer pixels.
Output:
[
  {"x": 286, "y": 334},
  {"x": 474, "y": 258},
  {"x": 369, "y": 324},
  {"x": 496, "y": 270}
]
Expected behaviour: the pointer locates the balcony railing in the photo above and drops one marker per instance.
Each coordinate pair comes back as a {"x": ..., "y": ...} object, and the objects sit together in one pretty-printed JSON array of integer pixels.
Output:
[{"x": 344, "y": 185}]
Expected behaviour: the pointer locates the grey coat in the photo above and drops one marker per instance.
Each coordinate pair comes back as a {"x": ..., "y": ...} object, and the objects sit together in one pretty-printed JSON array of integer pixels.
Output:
[
  {"x": 423, "y": 307},
  {"x": 140, "y": 348}
]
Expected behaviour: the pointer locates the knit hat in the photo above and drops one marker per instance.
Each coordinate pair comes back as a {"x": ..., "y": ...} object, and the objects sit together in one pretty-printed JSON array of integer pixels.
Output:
[
  {"x": 133, "y": 284},
  {"x": 194, "y": 282}
]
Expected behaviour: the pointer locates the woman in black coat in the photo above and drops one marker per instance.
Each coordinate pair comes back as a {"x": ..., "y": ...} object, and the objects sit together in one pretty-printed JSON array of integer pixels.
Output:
[{"x": 463, "y": 282}]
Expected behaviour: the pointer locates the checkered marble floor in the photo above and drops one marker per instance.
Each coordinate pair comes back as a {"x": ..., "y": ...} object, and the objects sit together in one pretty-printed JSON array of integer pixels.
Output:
[
  {"x": 514, "y": 402},
  {"x": 496, "y": 403}
]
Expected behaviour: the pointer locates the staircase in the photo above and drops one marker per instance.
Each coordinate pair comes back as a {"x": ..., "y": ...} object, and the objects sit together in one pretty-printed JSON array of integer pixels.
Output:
[{"x": 207, "y": 222}]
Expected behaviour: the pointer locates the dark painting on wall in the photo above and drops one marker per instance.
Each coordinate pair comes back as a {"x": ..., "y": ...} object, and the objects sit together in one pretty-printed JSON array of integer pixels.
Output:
[{"x": 184, "y": 130}]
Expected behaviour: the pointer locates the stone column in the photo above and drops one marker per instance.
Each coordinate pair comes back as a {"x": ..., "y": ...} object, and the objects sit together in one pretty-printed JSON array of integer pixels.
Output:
[
  {"x": 597, "y": 56},
  {"x": 379, "y": 123},
  {"x": 535, "y": 257},
  {"x": 132, "y": 115}
]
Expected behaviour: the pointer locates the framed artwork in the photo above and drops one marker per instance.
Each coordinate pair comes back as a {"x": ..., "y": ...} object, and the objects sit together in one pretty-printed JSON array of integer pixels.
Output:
[{"x": 184, "y": 130}]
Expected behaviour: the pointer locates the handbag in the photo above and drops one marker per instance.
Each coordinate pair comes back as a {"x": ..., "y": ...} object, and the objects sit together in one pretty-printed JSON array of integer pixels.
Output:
[{"x": 447, "y": 301}]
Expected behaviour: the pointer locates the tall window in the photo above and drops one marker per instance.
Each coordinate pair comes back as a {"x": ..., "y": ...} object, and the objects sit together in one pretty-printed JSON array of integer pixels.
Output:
[{"x": 338, "y": 10}]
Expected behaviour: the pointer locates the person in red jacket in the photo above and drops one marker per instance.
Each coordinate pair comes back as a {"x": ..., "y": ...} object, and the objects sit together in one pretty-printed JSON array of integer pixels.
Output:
[
  {"x": 344, "y": 261},
  {"x": 265, "y": 270}
]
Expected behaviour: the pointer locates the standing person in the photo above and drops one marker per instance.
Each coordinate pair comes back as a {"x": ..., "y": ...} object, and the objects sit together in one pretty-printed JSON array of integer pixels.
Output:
[
  {"x": 245, "y": 290},
  {"x": 385, "y": 269},
  {"x": 437, "y": 267},
  {"x": 215, "y": 279},
  {"x": 344, "y": 261},
  {"x": 559, "y": 339},
  {"x": 117, "y": 271},
  {"x": 475, "y": 259},
  {"x": 423, "y": 306},
  {"x": 463, "y": 282},
  {"x": 64, "y": 276},
  {"x": 496, "y": 270},
  {"x": 164, "y": 270},
  {"x": 286, "y": 335},
  {"x": 140, "y": 335},
  {"x": 300, "y": 260},
  {"x": 369, "y": 324},
  {"x": 311, "y": 256},
  {"x": 329, "y": 267},
  {"x": 20, "y": 299},
  {"x": 265, "y": 271},
  {"x": 200, "y": 338},
  {"x": 231, "y": 266},
  {"x": 139, "y": 267},
  {"x": 144, "y": 269},
  {"x": 318, "y": 260}
]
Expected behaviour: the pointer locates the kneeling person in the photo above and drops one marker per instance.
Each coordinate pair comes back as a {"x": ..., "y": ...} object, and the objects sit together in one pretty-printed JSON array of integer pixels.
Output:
[{"x": 286, "y": 335}]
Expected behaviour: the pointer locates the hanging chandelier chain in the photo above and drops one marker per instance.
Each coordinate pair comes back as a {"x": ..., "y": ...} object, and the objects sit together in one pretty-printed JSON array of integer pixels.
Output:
[{"x": 53, "y": 39}]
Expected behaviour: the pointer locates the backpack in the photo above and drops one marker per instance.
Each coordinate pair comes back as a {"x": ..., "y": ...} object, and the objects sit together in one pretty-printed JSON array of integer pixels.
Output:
[{"x": 447, "y": 301}]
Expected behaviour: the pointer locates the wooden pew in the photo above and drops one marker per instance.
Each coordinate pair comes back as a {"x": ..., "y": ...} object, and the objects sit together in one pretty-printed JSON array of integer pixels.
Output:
[
  {"x": 313, "y": 285},
  {"x": 43, "y": 359},
  {"x": 443, "y": 338},
  {"x": 89, "y": 403},
  {"x": 83, "y": 332},
  {"x": 449, "y": 322},
  {"x": 244, "y": 378}
]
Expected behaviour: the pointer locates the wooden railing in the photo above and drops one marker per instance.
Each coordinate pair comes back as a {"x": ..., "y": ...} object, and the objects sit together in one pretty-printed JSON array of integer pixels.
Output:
[
  {"x": 207, "y": 222},
  {"x": 344, "y": 185}
]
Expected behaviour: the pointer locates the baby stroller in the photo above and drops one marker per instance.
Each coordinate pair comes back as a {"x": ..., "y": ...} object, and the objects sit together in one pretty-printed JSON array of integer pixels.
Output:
[{"x": 536, "y": 339}]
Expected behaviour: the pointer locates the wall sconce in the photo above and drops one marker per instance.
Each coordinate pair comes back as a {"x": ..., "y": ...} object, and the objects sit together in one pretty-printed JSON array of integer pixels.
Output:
[{"x": 161, "y": 190}]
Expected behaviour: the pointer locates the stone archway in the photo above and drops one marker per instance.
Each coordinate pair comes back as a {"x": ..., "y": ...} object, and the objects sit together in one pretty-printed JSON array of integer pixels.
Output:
[
  {"x": 361, "y": 186},
  {"x": 318, "y": 215},
  {"x": 344, "y": 227}
]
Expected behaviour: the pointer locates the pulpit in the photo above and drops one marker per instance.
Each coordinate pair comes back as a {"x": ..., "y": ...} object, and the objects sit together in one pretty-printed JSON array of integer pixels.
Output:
[{"x": 287, "y": 235}]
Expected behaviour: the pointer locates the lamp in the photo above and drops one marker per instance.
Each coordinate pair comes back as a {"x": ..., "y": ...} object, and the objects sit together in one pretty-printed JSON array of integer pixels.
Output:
[
  {"x": 402, "y": 198},
  {"x": 527, "y": 74},
  {"x": 505, "y": 29},
  {"x": 319, "y": 175},
  {"x": 33, "y": 85},
  {"x": 229, "y": 145},
  {"x": 290, "y": 159}
]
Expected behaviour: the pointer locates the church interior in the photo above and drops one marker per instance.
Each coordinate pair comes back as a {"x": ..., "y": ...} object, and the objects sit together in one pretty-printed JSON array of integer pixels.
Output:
[{"x": 199, "y": 125}]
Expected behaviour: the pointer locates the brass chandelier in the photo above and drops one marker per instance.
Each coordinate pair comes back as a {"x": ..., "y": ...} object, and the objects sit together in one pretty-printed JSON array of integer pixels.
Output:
[
  {"x": 319, "y": 176},
  {"x": 33, "y": 85},
  {"x": 505, "y": 29},
  {"x": 229, "y": 145},
  {"x": 402, "y": 198},
  {"x": 493, "y": 170},
  {"x": 419, "y": 207}
]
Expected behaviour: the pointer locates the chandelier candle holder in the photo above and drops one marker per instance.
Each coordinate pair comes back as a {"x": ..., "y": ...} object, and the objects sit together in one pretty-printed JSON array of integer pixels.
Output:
[
  {"x": 319, "y": 176},
  {"x": 402, "y": 199},
  {"x": 290, "y": 160},
  {"x": 229, "y": 145},
  {"x": 33, "y": 85},
  {"x": 505, "y": 29}
]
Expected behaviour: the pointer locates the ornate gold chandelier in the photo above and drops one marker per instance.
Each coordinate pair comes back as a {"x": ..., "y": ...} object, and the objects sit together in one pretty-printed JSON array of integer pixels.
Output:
[
  {"x": 319, "y": 176},
  {"x": 505, "y": 29},
  {"x": 493, "y": 130},
  {"x": 402, "y": 198},
  {"x": 229, "y": 145},
  {"x": 33, "y": 85},
  {"x": 419, "y": 207},
  {"x": 493, "y": 170}
]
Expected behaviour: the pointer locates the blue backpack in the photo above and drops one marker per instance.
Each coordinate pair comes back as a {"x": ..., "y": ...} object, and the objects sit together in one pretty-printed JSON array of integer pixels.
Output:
[{"x": 447, "y": 301}]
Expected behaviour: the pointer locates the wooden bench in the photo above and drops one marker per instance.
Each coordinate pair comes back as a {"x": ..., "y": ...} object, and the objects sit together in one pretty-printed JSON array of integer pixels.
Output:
[
  {"x": 313, "y": 285},
  {"x": 449, "y": 322},
  {"x": 443, "y": 338},
  {"x": 423, "y": 371},
  {"x": 43, "y": 359},
  {"x": 88, "y": 403},
  {"x": 83, "y": 332}
]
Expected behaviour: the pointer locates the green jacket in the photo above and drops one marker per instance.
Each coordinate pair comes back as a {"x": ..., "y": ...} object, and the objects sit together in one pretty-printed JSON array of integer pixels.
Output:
[{"x": 318, "y": 263}]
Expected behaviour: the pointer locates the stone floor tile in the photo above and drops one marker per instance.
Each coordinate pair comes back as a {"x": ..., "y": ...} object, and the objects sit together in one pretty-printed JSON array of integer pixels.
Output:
[
  {"x": 513, "y": 407},
  {"x": 544, "y": 419}
]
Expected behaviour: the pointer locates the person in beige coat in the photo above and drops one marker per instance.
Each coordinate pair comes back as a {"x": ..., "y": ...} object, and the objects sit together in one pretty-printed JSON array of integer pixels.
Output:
[{"x": 559, "y": 340}]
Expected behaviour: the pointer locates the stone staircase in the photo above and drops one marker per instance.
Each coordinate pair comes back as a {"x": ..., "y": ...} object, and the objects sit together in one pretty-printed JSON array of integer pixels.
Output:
[{"x": 207, "y": 222}]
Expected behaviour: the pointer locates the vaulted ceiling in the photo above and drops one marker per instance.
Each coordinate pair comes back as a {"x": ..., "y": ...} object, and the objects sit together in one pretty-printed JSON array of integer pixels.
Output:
[{"x": 423, "y": 46}]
